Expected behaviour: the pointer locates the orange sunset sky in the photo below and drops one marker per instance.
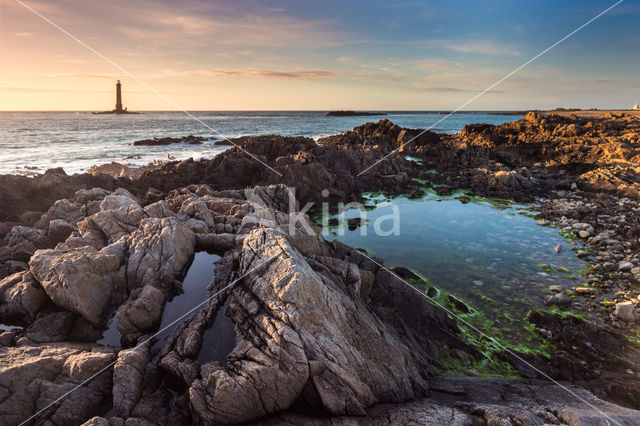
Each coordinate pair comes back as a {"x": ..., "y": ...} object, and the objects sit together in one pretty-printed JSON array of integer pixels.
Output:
[{"x": 213, "y": 55}]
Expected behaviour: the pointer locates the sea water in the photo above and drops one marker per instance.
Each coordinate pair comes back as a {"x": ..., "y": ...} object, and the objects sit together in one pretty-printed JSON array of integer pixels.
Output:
[{"x": 31, "y": 142}]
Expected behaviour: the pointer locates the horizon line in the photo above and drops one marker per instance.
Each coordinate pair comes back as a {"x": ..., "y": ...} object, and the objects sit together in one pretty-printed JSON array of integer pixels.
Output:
[{"x": 372, "y": 110}]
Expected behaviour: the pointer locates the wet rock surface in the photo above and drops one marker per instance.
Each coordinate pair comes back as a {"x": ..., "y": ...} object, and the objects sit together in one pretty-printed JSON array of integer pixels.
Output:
[{"x": 322, "y": 333}]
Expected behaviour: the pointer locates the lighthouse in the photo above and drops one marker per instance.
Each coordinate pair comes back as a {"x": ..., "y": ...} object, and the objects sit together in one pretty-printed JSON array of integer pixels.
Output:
[
  {"x": 118, "y": 109},
  {"x": 118, "y": 98}
]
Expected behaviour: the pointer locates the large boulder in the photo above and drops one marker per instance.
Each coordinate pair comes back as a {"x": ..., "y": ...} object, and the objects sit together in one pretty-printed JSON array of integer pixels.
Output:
[
  {"x": 158, "y": 252},
  {"x": 82, "y": 280},
  {"x": 307, "y": 317}
]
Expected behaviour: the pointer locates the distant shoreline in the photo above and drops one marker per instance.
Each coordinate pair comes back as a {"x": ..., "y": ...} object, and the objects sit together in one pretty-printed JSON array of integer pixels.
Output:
[{"x": 353, "y": 114}]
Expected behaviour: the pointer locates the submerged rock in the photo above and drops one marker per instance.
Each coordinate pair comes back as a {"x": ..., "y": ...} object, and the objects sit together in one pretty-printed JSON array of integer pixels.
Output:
[
  {"x": 626, "y": 311},
  {"x": 559, "y": 299}
]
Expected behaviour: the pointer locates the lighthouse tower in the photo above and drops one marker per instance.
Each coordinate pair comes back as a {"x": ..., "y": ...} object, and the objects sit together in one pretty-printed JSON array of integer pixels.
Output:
[{"x": 118, "y": 98}]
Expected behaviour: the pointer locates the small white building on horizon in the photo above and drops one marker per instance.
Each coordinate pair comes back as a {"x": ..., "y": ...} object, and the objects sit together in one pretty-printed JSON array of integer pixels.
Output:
[{"x": 636, "y": 106}]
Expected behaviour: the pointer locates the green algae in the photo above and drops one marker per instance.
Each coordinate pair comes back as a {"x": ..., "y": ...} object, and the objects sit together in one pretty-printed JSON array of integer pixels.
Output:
[
  {"x": 486, "y": 299},
  {"x": 568, "y": 235},
  {"x": 489, "y": 340}
]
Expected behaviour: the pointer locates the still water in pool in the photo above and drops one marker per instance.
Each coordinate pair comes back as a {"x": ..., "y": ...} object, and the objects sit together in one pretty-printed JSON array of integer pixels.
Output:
[{"x": 488, "y": 255}]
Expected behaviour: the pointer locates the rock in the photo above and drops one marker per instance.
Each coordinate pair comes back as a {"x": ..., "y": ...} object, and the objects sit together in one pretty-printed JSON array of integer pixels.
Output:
[
  {"x": 22, "y": 297},
  {"x": 625, "y": 266},
  {"x": 159, "y": 209},
  {"x": 83, "y": 196},
  {"x": 98, "y": 421},
  {"x": 556, "y": 288},
  {"x": 584, "y": 234},
  {"x": 197, "y": 226},
  {"x": 406, "y": 273},
  {"x": 478, "y": 283},
  {"x": 158, "y": 252},
  {"x": 52, "y": 327},
  {"x": 585, "y": 290},
  {"x": 635, "y": 271},
  {"x": 59, "y": 230},
  {"x": 119, "y": 215},
  {"x": 563, "y": 270},
  {"x": 558, "y": 248},
  {"x": 464, "y": 401},
  {"x": 354, "y": 223},
  {"x": 626, "y": 311},
  {"x": 141, "y": 313},
  {"x": 196, "y": 208},
  {"x": 81, "y": 280},
  {"x": 192, "y": 140},
  {"x": 321, "y": 329},
  {"x": 458, "y": 305},
  {"x": 300, "y": 362},
  {"x": 128, "y": 378},
  {"x": 560, "y": 299},
  {"x": 23, "y": 241},
  {"x": 34, "y": 376},
  {"x": 63, "y": 210},
  {"x": 218, "y": 243}
]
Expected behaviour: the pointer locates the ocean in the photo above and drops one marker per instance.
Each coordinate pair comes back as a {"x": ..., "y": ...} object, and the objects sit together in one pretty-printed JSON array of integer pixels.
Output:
[{"x": 31, "y": 142}]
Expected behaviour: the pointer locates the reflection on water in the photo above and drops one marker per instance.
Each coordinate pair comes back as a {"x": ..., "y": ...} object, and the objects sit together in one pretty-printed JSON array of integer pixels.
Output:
[
  {"x": 218, "y": 340},
  {"x": 194, "y": 286},
  {"x": 489, "y": 257},
  {"x": 6, "y": 327},
  {"x": 111, "y": 336}
]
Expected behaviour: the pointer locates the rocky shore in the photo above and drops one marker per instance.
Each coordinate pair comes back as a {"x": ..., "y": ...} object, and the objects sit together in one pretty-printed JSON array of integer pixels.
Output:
[{"x": 323, "y": 333}]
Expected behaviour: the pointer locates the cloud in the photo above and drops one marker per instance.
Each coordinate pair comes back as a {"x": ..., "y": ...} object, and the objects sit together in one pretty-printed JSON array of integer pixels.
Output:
[
  {"x": 45, "y": 90},
  {"x": 74, "y": 61},
  {"x": 452, "y": 90},
  {"x": 225, "y": 25},
  {"x": 316, "y": 74},
  {"x": 345, "y": 59},
  {"x": 303, "y": 75},
  {"x": 244, "y": 52},
  {"x": 23, "y": 34},
  {"x": 437, "y": 64},
  {"x": 486, "y": 47},
  {"x": 93, "y": 76}
]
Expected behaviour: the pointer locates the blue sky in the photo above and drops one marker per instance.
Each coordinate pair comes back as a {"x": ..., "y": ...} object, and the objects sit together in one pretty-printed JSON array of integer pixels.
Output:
[{"x": 320, "y": 55}]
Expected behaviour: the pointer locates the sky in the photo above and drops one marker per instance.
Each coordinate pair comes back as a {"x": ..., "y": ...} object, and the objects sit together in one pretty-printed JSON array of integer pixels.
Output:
[{"x": 309, "y": 55}]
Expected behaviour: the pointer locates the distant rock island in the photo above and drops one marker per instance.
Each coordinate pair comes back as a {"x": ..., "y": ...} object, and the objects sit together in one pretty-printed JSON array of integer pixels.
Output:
[
  {"x": 118, "y": 109},
  {"x": 352, "y": 113},
  {"x": 191, "y": 140}
]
